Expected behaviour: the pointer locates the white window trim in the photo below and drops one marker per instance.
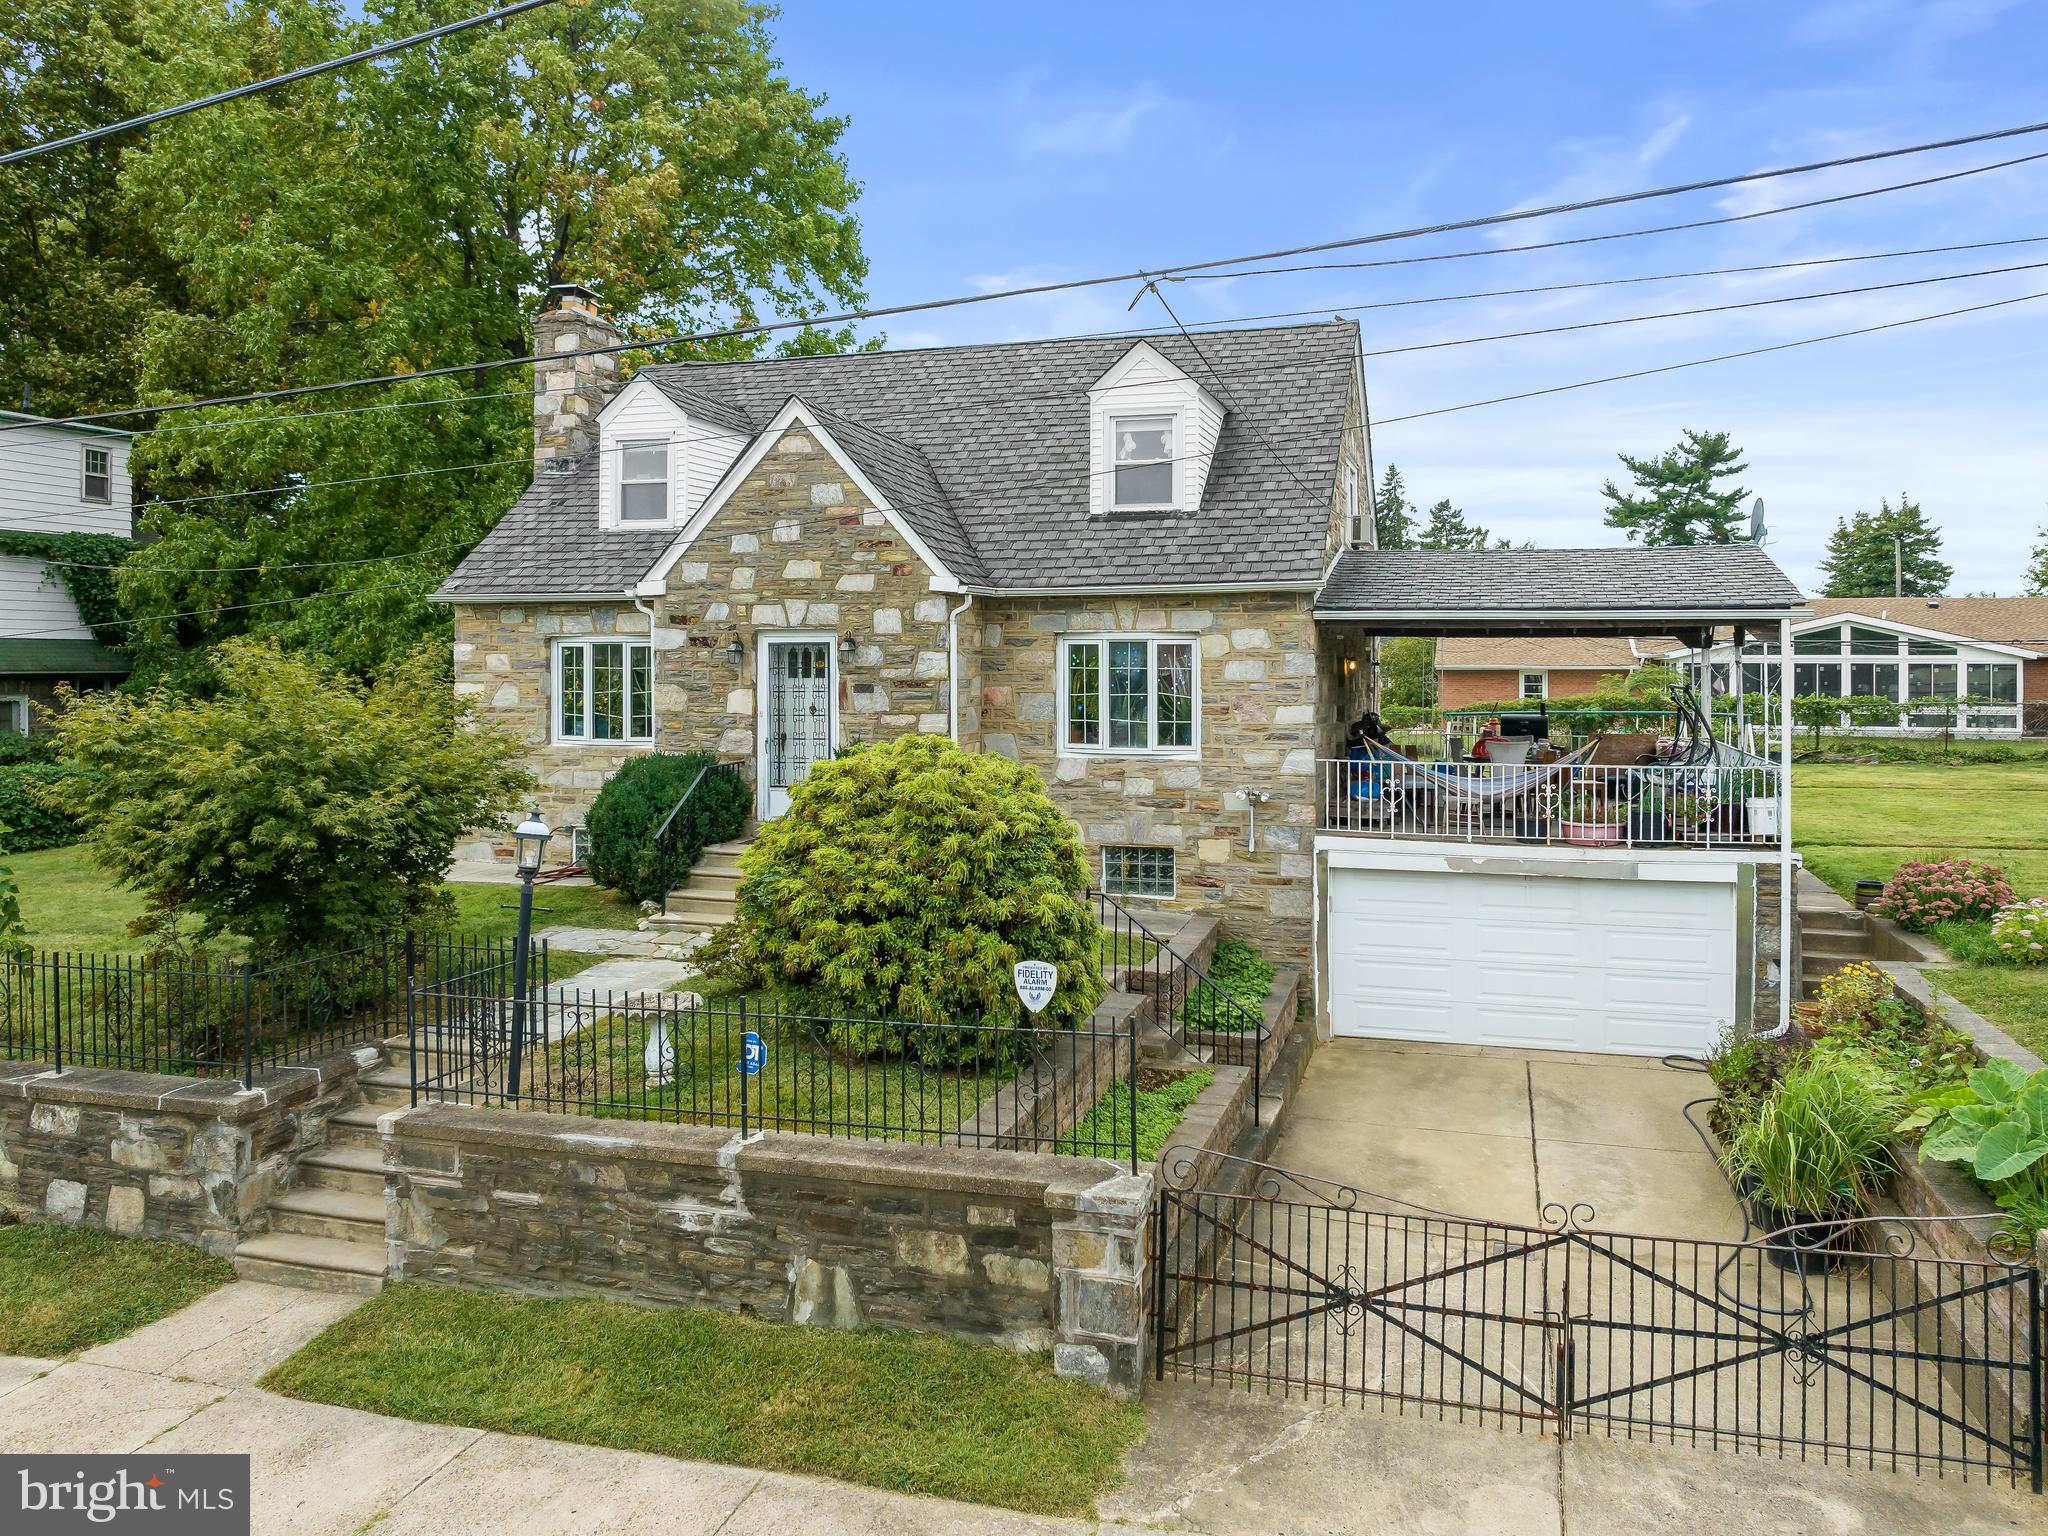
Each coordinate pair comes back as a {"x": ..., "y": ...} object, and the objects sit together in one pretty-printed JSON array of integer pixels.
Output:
[
  {"x": 85, "y": 475},
  {"x": 1172, "y": 855},
  {"x": 554, "y": 700},
  {"x": 1175, "y": 435},
  {"x": 1522, "y": 683},
  {"x": 22, "y": 700},
  {"x": 1064, "y": 748},
  {"x": 1354, "y": 525},
  {"x": 671, "y": 474}
]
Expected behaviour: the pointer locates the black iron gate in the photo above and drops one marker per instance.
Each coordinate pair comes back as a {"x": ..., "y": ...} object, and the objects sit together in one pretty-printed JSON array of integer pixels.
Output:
[{"x": 1885, "y": 1358}]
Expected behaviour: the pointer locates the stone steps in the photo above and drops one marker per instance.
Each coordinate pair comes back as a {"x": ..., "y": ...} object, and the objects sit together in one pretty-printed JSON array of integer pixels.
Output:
[
  {"x": 706, "y": 899},
  {"x": 346, "y": 1170},
  {"x": 312, "y": 1263},
  {"x": 1832, "y": 934},
  {"x": 341, "y": 1214}
]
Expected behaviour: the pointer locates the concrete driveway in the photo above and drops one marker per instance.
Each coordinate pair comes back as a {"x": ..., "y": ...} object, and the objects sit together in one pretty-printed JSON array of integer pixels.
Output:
[{"x": 1498, "y": 1134}]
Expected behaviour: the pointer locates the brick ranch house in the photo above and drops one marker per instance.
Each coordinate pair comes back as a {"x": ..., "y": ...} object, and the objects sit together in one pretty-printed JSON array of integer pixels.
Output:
[
  {"x": 1486, "y": 671},
  {"x": 1127, "y": 563}
]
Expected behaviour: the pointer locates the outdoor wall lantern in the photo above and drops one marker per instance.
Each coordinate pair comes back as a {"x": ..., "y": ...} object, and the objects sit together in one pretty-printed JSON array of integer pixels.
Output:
[
  {"x": 735, "y": 652},
  {"x": 846, "y": 645}
]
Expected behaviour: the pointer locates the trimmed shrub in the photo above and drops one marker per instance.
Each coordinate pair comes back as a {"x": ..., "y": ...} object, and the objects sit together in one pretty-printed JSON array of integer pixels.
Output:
[
  {"x": 905, "y": 881},
  {"x": 17, "y": 748},
  {"x": 1920, "y": 895},
  {"x": 31, "y": 824},
  {"x": 631, "y": 807},
  {"x": 2021, "y": 932}
]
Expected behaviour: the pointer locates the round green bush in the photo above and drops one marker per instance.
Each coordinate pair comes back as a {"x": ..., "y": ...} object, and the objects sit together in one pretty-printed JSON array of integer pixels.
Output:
[
  {"x": 635, "y": 801},
  {"x": 904, "y": 882}
]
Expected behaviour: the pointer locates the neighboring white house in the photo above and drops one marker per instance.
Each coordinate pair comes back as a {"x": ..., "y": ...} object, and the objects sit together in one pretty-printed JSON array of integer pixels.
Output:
[
  {"x": 53, "y": 480},
  {"x": 1990, "y": 650}
]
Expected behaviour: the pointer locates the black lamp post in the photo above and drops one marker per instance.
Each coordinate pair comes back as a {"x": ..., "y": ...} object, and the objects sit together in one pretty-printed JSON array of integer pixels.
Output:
[{"x": 530, "y": 839}]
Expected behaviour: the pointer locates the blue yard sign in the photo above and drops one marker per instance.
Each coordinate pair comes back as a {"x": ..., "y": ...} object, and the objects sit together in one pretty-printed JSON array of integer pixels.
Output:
[{"x": 752, "y": 1054}]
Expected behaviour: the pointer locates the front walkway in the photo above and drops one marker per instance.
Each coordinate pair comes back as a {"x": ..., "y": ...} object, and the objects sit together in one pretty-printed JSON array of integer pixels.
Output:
[
  {"x": 1499, "y": 1134},
  {"x": 187, "y": 1384}
]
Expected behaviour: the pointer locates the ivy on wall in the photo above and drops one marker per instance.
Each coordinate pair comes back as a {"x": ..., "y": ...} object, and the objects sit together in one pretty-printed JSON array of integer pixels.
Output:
[{"x": 91, "y": 589}]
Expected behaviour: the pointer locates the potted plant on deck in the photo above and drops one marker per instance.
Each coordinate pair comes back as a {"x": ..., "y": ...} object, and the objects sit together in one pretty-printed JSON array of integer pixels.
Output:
[
  {"x": 1589, "y": 819},
  {"x": 1813, "y": 1153}
]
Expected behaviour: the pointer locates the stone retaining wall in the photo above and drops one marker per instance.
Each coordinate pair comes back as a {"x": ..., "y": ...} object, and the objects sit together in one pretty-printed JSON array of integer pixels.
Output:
[
  {"x": 1022, "y": 1250},
  {"x": 182, "y": 1159}
]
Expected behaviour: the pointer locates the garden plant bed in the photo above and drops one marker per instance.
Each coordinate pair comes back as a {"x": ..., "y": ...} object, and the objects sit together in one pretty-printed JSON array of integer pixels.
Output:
[
  {"x": 63, "y": 1289},
  {"x": 1164, "y": 1099},
  {"x": 914, "y": 1413}
]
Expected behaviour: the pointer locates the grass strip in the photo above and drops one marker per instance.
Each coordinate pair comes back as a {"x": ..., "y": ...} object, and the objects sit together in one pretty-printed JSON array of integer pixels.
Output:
[
  {"x": 63, "y": 1289},
  {"x": 914, "y": 1413},
  {"x": 1105, "y": 1131}
]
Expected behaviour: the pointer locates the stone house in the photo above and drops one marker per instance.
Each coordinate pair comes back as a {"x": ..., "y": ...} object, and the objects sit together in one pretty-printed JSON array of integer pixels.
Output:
[{"x": 1139, "y": 564}]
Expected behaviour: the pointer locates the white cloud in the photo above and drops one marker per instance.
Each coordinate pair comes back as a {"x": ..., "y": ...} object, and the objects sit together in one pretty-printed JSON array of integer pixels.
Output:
[{"x": 1090, "y": 125}]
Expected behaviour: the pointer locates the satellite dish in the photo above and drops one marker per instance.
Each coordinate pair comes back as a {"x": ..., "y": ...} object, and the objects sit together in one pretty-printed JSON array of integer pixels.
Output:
[{"x": 1756, "y": 522}]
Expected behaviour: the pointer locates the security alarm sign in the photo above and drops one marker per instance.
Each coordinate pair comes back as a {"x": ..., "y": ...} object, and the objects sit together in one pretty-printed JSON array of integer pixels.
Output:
[{"x": 1036, "y": 980}]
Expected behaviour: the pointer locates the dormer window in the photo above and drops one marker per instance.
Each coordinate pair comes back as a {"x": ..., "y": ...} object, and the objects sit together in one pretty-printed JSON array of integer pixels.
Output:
[
  {"x": 1141, "y": 451},
  {"x": 643, "y": 481}
]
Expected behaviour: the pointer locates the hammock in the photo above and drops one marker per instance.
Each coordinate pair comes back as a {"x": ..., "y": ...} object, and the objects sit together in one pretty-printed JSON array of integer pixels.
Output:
[{"x": 1477, "y": 782}]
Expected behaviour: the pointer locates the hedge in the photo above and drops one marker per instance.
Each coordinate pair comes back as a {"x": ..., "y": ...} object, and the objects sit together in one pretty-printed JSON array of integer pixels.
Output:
[
  {"x": 631, "y": 807},
  {"x": 29, "y": 825}
]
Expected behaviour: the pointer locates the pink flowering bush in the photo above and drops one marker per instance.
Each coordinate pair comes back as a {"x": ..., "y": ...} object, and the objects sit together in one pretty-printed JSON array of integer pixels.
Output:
[
  {"x": 2021, "y": 932},
  {"x": 1920, "y": 895}
]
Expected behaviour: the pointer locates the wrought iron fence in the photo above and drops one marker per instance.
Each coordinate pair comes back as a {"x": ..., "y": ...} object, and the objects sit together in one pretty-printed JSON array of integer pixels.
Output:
[
  {"x": 196, "y": 1016},
  {"x": 1191, "y": 1010},
  {"x": 1851, "y": 1345},
  {"x": 683, "y": 1059}
]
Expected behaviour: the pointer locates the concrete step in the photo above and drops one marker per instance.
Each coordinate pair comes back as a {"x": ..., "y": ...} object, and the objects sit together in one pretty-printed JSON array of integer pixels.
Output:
[
  {"x": 732, "y": 848},
  {"x": 312, "y": 1263},
  {"x": 330, "y": 1213},
  {"x": 692, "y": 913},
  {"x": 346, "y": 1170},
  {"x": 383, "y": 1099},
  {"x": 391, "y": 1075},
  {"x": 722, "y": 883},
  {"x": 692, "y": 894},
  {"x": 1832, "y": 920}
]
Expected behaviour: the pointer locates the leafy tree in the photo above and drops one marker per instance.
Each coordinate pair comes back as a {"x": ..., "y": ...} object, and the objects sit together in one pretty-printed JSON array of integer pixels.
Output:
[
  {"x": 1678, "y": 497},
  {"x": 905, "y": 881},
  {"x": 81, "y": 272},
  {"x": 14, "y": 945},
  {"x": 2037, "y": 572},
  {"x": 1407, "y": 672},
  {"x": 405, "y": 215},
  {"x": 1393, "y": 519},
  {"x": 296, "y": 806},
  {"x": 1861, "y": 554}
]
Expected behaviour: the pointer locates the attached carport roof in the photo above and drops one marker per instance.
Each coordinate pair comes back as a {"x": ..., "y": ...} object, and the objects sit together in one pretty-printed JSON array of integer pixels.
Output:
[{"x": 1628, "y": 591}]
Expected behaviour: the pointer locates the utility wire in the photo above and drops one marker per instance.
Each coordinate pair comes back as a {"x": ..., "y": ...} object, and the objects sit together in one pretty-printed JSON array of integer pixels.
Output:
[
  {"x": 126, "y": 125},
  {"x": 1228, "y": 398},
  {"x": 1700, "y": 362},
  {"x": 350, "y": 410},
  {"x": 879, "y": 312}
]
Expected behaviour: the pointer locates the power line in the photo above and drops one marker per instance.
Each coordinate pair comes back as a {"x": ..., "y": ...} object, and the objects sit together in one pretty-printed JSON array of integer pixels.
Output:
[
  {"x": 1699, "y": 362},
  {"x": 307, "y": 72},
  {"x": 1620, "y": 234},
  {"x": 234, "y": 570},
  {"x": 1710, "y": 309},
  {"x": 880, "y": 312},
  {"x": 350, "y": 410},
  {"x": 1228, "y": 398}
]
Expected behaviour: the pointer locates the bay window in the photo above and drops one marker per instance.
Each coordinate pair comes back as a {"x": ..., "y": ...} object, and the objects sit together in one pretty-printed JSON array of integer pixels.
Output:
[
  {"x": 604, "y": 691},
  {"x": 1128, "y": 695}
]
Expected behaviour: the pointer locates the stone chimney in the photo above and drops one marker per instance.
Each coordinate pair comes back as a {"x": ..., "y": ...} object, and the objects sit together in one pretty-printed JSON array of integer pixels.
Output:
[{"x": 567, "y": 395}]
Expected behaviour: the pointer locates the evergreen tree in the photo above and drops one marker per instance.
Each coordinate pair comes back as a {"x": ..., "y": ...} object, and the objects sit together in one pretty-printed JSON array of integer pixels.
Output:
[
  {"x": 2037, "y": 572},
  {"x": 1677, "y": 497},
  {"x": 1444, "y": 527},
  {"x": 1875, "y": 554},
  {"x": 1392, "y": 517}
]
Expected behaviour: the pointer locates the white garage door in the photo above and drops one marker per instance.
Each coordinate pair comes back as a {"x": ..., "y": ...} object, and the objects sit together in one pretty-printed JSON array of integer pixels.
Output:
[{"x": 1632, "y": 967}]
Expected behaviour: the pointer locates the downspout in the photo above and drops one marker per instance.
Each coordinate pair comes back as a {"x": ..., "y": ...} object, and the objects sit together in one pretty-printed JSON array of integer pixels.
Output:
[
  {"x": 653, "y": 651},
  {"x": 953, "y": 666}
]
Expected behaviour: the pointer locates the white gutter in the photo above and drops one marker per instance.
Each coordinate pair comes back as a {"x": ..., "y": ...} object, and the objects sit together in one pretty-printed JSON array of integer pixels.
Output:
[{"x": 953, "y": 667}]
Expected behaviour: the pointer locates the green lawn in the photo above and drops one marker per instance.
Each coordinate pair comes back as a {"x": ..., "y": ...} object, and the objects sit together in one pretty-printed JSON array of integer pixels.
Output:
[
  {"x": 1861, "y": 821},
  {"x": 909, "y": 1412},
  {"x": 69, "y": 905},
  {"x": 63, "y": 1289},
  {"x": 2013, "y": 997}
]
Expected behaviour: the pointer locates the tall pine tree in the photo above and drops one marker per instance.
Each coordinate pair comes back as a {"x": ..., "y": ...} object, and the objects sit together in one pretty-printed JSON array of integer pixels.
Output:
[
  {"x": 1891, "y": 550},
  {"x": 1391, "y": 514},
  {"x": 1445, "y": 527},
  {"x": 1678, "y": 497}
]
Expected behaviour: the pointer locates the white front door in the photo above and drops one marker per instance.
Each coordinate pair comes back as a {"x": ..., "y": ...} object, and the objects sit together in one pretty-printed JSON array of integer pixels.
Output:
[
  {"x": 1628, "y": 966},
  {"x": 798, "y": 710}
]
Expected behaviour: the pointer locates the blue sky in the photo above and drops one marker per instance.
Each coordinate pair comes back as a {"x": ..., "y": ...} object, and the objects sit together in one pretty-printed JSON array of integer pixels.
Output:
[{"x": 1001, "y": 144}]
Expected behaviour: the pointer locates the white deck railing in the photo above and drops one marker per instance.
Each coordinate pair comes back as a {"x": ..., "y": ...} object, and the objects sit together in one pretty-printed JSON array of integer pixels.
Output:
[{"x": 1589, "y": 806}]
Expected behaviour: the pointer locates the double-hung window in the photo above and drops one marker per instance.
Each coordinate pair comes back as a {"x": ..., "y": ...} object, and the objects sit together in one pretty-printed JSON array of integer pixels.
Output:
[
  {"x": 1127, "y": 695},
  {"x": 1141, "y": 456},
  {"x": 604, "y": 691},
  {"x": 1535, "y": 685},
  {"x": 643, "y": 481},
  {"x": 96, "y": 483}
]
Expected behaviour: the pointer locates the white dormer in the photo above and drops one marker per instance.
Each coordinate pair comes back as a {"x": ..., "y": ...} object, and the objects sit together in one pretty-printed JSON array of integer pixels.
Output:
[
  {"x": 1153, "y": 435},
  {"x": 656, "y": 462}
]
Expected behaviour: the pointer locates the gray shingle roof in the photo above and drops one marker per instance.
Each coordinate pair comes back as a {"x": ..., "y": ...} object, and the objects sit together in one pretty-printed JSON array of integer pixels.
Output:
[
  {"x": 988, "y": 449},
  {"x": 1705, "y": 579}
]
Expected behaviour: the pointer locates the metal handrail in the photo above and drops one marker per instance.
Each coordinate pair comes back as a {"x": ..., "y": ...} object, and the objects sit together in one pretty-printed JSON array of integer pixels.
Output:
[{"x": 661, "y": 832}]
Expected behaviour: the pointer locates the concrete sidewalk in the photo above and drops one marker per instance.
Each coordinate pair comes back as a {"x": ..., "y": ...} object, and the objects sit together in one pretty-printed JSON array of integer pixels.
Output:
[{"x": 186, "y": 1384}]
